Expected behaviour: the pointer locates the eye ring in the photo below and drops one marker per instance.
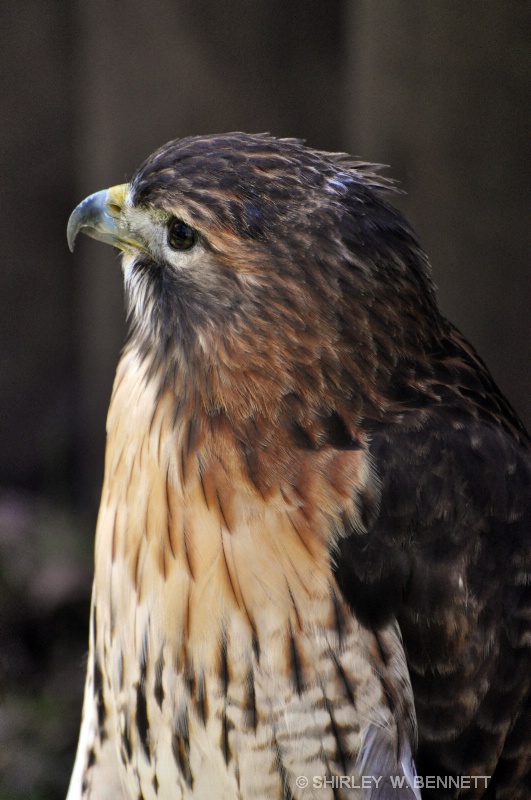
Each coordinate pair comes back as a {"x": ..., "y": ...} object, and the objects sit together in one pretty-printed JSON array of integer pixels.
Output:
[{"x": 180, "y": 235}]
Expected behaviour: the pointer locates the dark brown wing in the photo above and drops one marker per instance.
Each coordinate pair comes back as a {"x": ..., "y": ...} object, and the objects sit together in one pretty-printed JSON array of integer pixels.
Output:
[{"x": 449, "y": 554}]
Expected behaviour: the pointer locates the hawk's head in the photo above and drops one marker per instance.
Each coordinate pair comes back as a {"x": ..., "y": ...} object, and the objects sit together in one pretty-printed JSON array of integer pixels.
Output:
[{"x": 262, "y": 269}]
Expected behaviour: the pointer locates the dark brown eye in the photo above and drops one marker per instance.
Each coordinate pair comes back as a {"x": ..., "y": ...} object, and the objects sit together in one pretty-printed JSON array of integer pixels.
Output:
[{"x": 180, "y": 235}]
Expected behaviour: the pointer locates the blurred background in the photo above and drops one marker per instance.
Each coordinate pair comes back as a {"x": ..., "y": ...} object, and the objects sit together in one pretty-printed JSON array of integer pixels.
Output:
[{"x": 437, "y": 90}]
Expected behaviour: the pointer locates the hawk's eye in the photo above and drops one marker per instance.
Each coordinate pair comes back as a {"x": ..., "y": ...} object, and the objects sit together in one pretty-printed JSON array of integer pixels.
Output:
[{"x": 180, "y": 235}]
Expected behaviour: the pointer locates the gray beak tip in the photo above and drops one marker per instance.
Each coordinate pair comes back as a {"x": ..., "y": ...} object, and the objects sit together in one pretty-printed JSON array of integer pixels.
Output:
[
  {"x": 91, "y": 217},
  {"x": 71, "y": 234}
]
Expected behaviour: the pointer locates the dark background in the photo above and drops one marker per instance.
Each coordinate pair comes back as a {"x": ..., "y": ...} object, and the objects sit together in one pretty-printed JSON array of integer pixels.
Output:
[{"x": 437, "y": 90}]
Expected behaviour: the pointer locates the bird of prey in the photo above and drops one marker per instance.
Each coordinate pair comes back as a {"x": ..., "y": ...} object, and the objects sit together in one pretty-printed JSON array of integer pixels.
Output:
[{"x": 315, "y": 527}]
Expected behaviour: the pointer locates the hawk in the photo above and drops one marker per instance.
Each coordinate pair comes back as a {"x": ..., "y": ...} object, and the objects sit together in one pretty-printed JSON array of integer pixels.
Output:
[{"x": 314, "y": 532}]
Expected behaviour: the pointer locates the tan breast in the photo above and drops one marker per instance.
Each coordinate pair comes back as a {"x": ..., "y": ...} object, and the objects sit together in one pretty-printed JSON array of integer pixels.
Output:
[{"x": 228, "y": 654}]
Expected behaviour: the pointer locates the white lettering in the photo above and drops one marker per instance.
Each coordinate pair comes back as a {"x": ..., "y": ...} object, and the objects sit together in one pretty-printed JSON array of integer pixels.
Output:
[{"x": 398, "y": 781}]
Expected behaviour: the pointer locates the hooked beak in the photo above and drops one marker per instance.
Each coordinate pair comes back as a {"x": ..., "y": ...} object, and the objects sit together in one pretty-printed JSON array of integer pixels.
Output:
[{"x": 101, "y": 216}]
